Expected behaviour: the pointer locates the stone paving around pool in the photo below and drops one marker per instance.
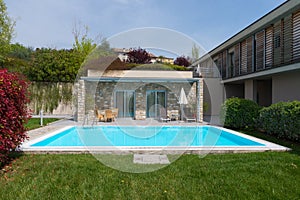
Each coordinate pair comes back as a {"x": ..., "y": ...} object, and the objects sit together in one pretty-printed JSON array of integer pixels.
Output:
[
  {"x": 36, "y": 133},
  {"x": 65, "y": 123},
  {"x": 150, "y": 159}
]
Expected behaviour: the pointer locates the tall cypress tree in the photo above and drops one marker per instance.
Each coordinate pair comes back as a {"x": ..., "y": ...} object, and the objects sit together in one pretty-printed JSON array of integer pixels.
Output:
[{"x": 6, "y": 32}]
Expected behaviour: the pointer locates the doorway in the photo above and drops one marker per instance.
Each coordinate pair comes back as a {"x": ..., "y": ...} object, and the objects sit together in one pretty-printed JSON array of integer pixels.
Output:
[
  {"x": 156, "y": 99},
  {"x": 125, "y": 102}
]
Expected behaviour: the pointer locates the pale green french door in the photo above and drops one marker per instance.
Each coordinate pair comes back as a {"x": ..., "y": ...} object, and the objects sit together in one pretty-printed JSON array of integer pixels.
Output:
[
  {"x": 125, "y": 102},
  {"x": 156, "y": 99}
]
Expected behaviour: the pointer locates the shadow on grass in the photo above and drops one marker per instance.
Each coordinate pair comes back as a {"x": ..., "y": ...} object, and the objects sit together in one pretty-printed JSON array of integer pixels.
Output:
[
  {"x": 295, "y": 146},
  {"x": 4, "y": 167}
]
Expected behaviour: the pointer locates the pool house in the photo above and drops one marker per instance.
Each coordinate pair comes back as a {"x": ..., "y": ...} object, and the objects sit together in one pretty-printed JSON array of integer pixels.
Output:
[{"x": 139, "y": 94}]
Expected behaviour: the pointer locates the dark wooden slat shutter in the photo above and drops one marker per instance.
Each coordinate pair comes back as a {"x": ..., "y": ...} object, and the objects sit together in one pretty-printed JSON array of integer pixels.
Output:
[
  {"x": 287, "y": 40},
  {"x": 269, "y": 47},
  {"x": 224, "y": 64},
  {"x": 243, "y": 57},
  {"x": 249, "y": 54},
  {"x": 296, "y": 36},
  {"x": 220, "y": 64},
  {"x": 277, "y": 43},
  {"x": 260, "y": 46},
  {"x": 237, "y": 59}
]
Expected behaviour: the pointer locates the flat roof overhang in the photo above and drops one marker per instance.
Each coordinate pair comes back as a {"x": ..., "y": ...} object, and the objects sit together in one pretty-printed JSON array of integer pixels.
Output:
[
  {"x": 139, "y": 79},
  {"x": 261, "y": 23},
  {"x": 264, "y": 73}
]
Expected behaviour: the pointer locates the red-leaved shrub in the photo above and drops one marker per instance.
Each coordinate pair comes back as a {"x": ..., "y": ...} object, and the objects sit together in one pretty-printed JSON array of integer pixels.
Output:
[{"x": 13, "y": 112}]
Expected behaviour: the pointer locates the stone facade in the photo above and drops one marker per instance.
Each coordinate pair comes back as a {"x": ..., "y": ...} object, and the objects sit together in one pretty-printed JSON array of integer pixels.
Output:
[
  {"x": 101, "y": 95},
  {"x": 80, "y": 91},
  {"x": 105, "y": 94}
]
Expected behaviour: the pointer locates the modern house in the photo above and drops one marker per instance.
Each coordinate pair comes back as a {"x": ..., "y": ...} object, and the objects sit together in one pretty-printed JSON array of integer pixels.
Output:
[
  {"x": 261, "y": 62},
  {"x": 122, "y": 53},
  {"x": 137, "y": 94},
  {"x": 123, "y": 56},
  {"x": 163, "y": 59}
]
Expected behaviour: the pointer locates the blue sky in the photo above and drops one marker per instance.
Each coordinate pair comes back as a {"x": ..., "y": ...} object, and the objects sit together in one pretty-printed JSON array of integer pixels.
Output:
[{"x": 49, "y": 23}]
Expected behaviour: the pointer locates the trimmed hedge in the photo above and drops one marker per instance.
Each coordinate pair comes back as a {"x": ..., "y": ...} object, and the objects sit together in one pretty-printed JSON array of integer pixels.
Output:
[
  {"x": 239, "y": 113},
  {"x": 155, "y": 66},
  {"x": 282, "y": 120}
]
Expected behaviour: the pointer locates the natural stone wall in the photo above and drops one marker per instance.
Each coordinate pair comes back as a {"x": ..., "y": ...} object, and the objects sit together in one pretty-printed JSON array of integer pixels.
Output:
[
  {"x": 80, "y": 86},
  {"x": 105, "y": 92},
  {"x": 101, "y": 95}
]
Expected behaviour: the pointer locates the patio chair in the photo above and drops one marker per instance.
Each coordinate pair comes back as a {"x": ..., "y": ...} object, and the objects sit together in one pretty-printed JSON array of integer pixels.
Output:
[
  {"x": 174, "y": 115},
  {"x": 99, "y": 115},
  {"x": 163, "y": 116},
  {"x": 115, "y": 112},
  {"x": 109, "y": 116},
  {"x": 188, "y": 115}
]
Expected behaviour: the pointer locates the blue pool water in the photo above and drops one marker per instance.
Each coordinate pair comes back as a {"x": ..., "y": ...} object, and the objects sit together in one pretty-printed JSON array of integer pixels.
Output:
[{"x": 145, "y": 136}]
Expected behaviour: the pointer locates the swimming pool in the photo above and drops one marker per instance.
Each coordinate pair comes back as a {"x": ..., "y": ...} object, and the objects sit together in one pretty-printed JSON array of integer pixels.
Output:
[
  {"x": 147, "y": 139},
  {"x": 145, "y": 136}
]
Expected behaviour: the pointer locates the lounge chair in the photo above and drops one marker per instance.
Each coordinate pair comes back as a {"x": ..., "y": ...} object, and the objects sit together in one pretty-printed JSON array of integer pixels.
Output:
[
  {"x": 109, "y": 116},
  {"x": 190, "y": 119},
  {"x": 163, "y": 116},
  {"x": 174, "y": 115},
  {"x": 188, "y": 116}
]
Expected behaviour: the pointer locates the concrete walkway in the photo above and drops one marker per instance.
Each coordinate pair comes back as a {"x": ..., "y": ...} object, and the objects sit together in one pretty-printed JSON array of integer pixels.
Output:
[
  {"x": 36, "y": 133},
  {"x": 33, "y": 134}
]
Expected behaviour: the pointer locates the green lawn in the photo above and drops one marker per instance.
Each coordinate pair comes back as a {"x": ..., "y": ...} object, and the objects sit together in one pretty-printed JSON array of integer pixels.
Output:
[
  {"x": 268, "y": 175},
  {"x": 34, "y": 123}
]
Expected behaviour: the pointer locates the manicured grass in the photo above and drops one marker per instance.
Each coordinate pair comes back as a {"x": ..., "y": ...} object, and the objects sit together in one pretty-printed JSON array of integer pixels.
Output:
[
  {"x": 295, "y": 146},
  {"x": 34, "y": 123},
  {"x": 268, "y": 175}
]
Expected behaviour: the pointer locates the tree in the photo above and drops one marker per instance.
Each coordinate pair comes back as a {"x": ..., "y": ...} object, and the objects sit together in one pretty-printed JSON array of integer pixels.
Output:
[
  {"x": 6, "y": 31},
  {"x": 19, "y": 51},
  {"x": 13, "y": 112},
  {"x": 83, "y": 43},
  {"x": 19, "y": 58},
  {"x": 195, "y": 53},
  {"x": 51, "y": 65},
  {"x": 102, "y": 50},
  {"x": 182, "y": 61},
  {"x": 139, "y": 56}
]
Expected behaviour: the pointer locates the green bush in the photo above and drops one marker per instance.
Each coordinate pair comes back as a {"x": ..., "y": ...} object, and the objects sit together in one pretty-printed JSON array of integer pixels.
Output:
[
  {"x": 282, "y": 120},
  {"x": 155, "y": 66},
  {"x": 239, "y": 113}
]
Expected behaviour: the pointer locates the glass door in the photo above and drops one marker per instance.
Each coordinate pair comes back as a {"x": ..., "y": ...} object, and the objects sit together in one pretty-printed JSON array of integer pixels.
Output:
[
  {"x": 156, "y": 99},
  {"x": 125, "y": 102}
]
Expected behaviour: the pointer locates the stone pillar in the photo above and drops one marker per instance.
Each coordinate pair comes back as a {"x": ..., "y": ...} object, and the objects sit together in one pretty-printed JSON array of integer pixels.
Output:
[
  {"x": 250, "y": 90},
  {"x": 199, "y": 94},
  {"x": 81, "y": 101}
]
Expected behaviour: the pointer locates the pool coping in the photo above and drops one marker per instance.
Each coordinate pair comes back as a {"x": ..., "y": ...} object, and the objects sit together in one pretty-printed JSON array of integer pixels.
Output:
[{"x": 269, "y": 146}]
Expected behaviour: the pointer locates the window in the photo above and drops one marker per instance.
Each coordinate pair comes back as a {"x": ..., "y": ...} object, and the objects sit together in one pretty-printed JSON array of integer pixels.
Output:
[
  {"x": 277, "y": 41},
  {"x": 156, "y": 100},
  {"x": 231, "y": 59},
  {"x": 125, "y": 102},
  {"x": 230, "y": 69}
]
